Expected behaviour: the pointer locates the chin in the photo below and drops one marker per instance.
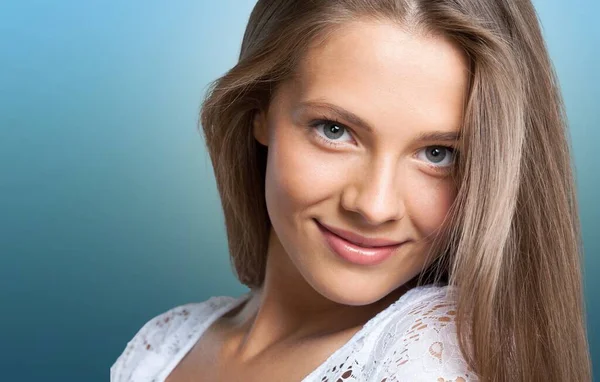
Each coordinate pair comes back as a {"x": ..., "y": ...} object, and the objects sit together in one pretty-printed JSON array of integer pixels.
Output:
[
  {"x": 358, "y": 285},
  {"x": 352, "y": 288}
]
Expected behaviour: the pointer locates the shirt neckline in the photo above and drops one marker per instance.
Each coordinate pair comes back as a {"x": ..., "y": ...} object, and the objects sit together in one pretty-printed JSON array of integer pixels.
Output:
[
  {"x": 365, "y": 328},
  {"x": 216, "y": 314},
  {"x": 235, "y": 302}
]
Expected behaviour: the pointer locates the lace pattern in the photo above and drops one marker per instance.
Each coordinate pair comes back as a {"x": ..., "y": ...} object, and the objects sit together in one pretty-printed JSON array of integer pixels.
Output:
[
  {"x": 163, "y": 341},
  {"x": 414, "y": 339}
]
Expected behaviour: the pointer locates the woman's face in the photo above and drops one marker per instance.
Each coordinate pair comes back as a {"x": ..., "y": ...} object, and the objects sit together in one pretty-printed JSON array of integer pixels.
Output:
[{"x": 360, "y": 141}]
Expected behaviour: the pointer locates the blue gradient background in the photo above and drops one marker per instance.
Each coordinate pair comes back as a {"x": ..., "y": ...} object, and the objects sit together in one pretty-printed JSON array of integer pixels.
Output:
[{"x": 109, "y": 212}]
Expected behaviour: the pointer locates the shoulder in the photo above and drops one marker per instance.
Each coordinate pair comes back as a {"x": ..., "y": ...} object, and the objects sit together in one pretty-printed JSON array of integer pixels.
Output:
[
  {"x": 419, "y": 338},
  {"x": 162, "y": 337}
]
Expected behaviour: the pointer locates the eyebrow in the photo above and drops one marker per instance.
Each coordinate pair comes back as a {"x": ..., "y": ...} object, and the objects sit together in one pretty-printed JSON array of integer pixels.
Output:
[
  {"x": 437, "y": 136},
  {"x": 343, "y": 113}
]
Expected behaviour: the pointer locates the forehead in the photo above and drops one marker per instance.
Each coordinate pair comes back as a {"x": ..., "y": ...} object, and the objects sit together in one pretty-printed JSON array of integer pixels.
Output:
[{"x": 382, "y": 73}]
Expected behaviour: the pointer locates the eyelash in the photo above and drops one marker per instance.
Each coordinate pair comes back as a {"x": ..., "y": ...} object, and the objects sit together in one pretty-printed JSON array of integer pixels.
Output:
[
  {"x": 318, "y": 122},
  {"x": 333, "y": 121},
  {"x": 443, "y": 169}
]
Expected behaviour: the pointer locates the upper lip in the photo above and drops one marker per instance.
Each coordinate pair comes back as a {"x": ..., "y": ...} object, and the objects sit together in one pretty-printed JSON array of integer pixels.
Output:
[{"x": 359, "y": 239}]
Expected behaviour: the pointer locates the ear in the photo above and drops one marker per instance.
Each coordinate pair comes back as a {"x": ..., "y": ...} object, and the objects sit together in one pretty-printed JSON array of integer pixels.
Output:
[{"x": 259, "y": 127}]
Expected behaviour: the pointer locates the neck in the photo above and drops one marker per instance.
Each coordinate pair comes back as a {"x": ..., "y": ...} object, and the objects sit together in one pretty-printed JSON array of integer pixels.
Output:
[{"x": 287, "y": 308}]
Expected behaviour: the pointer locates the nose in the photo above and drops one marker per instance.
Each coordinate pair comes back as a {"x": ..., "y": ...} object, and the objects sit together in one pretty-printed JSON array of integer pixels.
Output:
[{"x": 375, "y": 193}]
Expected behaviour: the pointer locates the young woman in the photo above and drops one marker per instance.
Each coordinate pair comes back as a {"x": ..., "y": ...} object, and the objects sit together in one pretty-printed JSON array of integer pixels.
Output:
[{"x": 398, "y": 193}]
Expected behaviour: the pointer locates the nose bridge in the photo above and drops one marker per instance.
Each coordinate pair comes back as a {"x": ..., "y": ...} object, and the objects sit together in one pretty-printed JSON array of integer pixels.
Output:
[{"x": 377, "y": 195}]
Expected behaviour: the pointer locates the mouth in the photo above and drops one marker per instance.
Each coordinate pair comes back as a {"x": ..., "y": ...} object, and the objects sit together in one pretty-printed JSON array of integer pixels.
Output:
[{"x": 358, "y": 249}]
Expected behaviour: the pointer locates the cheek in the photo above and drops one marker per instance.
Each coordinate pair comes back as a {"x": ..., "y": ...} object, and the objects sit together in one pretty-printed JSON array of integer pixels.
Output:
[
  {"x": 428, "y": 201},
  {"x": 298, "y": 175}
]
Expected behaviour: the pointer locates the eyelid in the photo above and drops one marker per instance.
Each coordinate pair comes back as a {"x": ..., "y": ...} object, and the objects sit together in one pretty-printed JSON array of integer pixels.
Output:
[
  {"x": 333, "y": 120},
  {"x": 320, "y": 121},
  {"x": 453, "y": 152},
  {"x": 324, "y": 120}
]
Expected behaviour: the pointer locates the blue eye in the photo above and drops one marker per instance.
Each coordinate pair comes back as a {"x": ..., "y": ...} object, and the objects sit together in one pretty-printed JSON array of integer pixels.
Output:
[
  {"x": 332, "y": 131},
  {"x": 438, "y": 156}
]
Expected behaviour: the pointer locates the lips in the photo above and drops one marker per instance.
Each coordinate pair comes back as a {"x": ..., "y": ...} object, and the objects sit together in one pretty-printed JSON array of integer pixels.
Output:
[
  {"x": 359, "y": 240},
  {"x": 358, "y": 249}
]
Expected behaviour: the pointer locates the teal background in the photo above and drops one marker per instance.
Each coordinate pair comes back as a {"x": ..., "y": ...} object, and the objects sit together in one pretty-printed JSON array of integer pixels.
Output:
[{"x": 109, "y": 213}]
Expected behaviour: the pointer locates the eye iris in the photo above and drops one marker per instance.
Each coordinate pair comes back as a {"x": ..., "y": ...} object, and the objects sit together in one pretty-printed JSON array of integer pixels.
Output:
[
  {"x": 436, "y": 154},
  {"x": 333, "y": 131}
]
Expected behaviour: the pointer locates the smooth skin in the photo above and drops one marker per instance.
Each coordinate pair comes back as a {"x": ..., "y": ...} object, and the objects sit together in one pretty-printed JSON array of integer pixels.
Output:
[{"x": 393, "y": 97}]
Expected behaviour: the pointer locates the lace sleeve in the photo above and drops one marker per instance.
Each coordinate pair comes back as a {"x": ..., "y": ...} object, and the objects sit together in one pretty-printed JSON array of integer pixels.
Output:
[
  {"x": 426, "y": 349},
  {"x": 159, "y": 342},
  {"x": 147, "y": 344}
]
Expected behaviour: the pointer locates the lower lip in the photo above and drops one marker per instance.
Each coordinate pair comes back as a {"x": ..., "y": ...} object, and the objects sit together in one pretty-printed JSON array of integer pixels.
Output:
[{"x": 354, "y": 253}]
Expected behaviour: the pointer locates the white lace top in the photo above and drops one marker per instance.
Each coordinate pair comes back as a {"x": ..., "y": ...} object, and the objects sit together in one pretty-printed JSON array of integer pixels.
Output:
[{"x": 414, "y": 339}]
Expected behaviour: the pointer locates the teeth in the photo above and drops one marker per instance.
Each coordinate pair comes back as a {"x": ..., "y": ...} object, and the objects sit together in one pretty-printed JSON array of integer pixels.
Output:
[
  {"x": 362, "y": 245},
  {"x": 359, "y": 244}
]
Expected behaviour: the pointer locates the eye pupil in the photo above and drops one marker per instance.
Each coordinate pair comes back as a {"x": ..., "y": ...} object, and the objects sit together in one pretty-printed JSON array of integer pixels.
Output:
[
  {"x": 436, "y": 154},
  {"x": 333, "y": 131}
]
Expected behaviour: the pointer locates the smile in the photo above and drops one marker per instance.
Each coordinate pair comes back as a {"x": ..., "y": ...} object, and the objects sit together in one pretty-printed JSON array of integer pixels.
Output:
[{"x": 357, "y": 249}]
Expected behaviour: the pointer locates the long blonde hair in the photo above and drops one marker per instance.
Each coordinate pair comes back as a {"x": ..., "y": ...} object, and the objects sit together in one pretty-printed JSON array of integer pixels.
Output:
[{"x": 512, "y": 243}]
